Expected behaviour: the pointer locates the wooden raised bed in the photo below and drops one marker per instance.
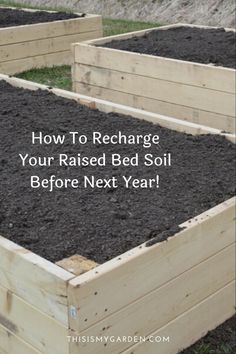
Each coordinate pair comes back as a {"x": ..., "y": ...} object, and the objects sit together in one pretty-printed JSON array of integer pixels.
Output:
[
  {"x": 195, "y": 92},
  {"x": 180, "y": 288},
  {"x": 44, "y": 44}
]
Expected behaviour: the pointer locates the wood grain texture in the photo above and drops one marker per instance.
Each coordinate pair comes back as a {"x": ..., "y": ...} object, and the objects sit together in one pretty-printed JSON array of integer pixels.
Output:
[
  {"x": 188, "y": 114},
  {"x": 185, "y": 90},
  {"x": 47, "y": 60},
  {"x": 31, "y": 325},
  {"x": 163, "y": 304},
  {"x": 108, "y": 106},
  {"x": 44, "y": 44},
  {"x": 178, "y": 71},
  {"x": 192, "y": 325},
  {"x": 26, "y": 33},
  {"x": 35, "y": 280},
  {"x": 166, "y": 91},
  {"x": 110, "y": 287},
  {"x": 11, "y": 344}
]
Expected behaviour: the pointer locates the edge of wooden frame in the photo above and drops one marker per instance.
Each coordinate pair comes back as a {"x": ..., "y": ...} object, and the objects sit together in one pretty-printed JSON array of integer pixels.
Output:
[
  {"x": 144, "y": 31},
  {"x": 50, "y": 11},
  {"x": 132, "y": 269},
  {"x": 106, "y": 106},
  {"x": 194, "y": 323},
  {"x": 16, "y": 260},
  {"x": 52, "y": 29},
  {"x": 97, "y": 41}
]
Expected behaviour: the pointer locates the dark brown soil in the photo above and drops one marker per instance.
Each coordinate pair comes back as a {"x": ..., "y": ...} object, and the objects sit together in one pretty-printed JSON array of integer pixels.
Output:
[
  {"x": 15, "y": 17},
  {"x": 207, "y": 46},
  {"x": 220, "y": 341},
  {"x": 101, "y": 224}
]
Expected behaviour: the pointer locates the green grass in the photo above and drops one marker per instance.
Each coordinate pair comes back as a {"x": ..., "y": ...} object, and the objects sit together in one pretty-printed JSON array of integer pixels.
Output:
[
  {"x": 203, "y": 349},
  {"x": 112, "y": 27},
  {"x": 208, "y": 349},
  {"x": 58, "y": 76}
]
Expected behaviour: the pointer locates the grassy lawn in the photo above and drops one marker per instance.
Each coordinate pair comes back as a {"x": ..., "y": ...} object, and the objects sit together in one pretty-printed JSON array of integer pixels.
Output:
[{"x": 58, "y": 76}]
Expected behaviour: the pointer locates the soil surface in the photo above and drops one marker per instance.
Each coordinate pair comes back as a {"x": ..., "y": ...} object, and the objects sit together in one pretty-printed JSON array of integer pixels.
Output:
[
  {"x": 206, "y": 46},
  {"x": 220, "y": 341},
  {"x": 15, "y": 17},
  {"x": 101, "y": 223}
]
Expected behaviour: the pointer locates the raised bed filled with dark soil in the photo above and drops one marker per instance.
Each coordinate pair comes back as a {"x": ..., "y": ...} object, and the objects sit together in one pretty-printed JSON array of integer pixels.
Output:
[
  {"x": 102, "y": 223},
  {"x": 183, "y": 71},
  {"x": 200, "y": 45},
  {"x": 162, "y": 248},
  {"x": 32, "y": 38},
  {"x": 10, "y": 17}
]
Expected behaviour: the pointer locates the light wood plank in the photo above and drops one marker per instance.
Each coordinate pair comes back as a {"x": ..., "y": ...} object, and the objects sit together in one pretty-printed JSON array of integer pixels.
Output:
[
  {"x": 48, "y": 60},
  {"x": 35, "y": 280},
  {"x": 145, "y": 31},
  {"x": 43, "y": 46},
  {"x": 193, "y": 74},
  {"x": 217, "y": 121},
  {"x": 189, "y": 96},
  {"x": 192, "y": 325},
  {"x": 106, "y": 106},
  {"x": 11, "y": 344},
  {"x": 25, "y": 33},
  {"x": 164, "y": 304},
  {"x": 31, "y": 325},
  {"x": 118, "y": 65},
  {"x": 105, "y": 290}
]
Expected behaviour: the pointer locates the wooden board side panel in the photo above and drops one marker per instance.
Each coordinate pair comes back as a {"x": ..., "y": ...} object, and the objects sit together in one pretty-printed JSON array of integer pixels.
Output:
[
  {"x": 107, "y": 107},
  {"x": 176, "y": 93},
  {"x": 38, "y": 61},
  {"x": 31, "y": 325},
  {"x": 35, "y": 280},
  {"x": 42, "y": 46},
  {"x": 21, "y": 34},
  {"x": 107, "y": 289},
  {"x": 38, "y": 43},
  {"x": 216, "y": 121},
  {"x": 48, "y": 60},
  {"x": 162, "y": 305},
  {"x": 192, "y": 325},
  {"x": 192, "y": 74},
  {"x": 11, "y": 344}
]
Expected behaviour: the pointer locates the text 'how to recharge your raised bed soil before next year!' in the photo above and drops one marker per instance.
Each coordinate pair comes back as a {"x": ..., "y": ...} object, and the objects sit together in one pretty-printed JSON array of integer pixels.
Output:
[{"x": 79, "y": 160}]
